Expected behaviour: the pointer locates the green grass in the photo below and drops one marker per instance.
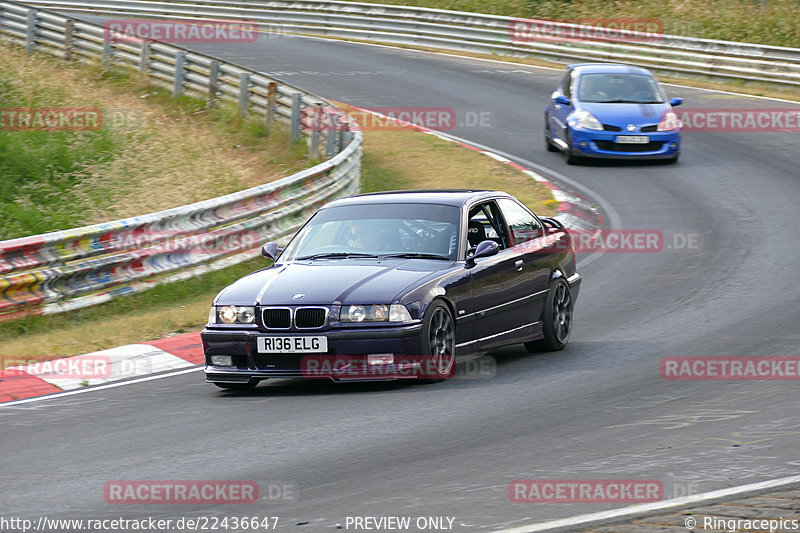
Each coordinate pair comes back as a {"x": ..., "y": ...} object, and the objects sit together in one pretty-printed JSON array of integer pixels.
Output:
[
  {"x": 152, "y": 152},
  {"x": 40, "y": 170}
]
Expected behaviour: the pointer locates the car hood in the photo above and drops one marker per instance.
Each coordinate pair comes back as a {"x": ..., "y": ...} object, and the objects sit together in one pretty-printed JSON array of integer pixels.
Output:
[
  {"x": 623, "y": 114},
  {"x": 325, "y": 282}
]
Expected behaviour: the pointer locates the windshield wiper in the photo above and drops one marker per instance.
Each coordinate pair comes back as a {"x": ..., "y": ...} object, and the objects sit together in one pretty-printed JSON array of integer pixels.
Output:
[
  {"x": 623, "y": 101},
  {"x": 334, "y": 255},
  {"x": 416, "y": 255}
]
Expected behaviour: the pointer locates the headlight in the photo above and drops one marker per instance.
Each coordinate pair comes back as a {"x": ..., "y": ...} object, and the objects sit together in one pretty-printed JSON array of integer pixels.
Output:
[
  {"x": 669, "y": 123},
  {"x": 354, "y": 313},
  {"x": 234, "y": 315},
  {"x": 586, "y": 120},
  {"x": 374, "y": 313}
]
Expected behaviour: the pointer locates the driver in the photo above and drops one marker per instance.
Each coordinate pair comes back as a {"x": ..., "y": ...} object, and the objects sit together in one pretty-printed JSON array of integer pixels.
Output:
[
  {"x": 362, "y": 236},
  {"x": 627, "y": 90},
  {"x": 594, "y": 89}
]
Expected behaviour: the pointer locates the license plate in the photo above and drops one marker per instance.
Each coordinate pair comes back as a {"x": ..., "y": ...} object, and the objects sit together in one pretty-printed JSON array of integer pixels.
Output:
[
  {"x": 292, "y": 344},
  {"x": 633, "y": 139}
]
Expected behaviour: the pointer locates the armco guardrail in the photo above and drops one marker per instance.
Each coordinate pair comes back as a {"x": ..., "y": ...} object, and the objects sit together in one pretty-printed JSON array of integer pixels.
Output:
[
  {"x": 74, "y": 268},
  {"x": 474, "y": 32}
]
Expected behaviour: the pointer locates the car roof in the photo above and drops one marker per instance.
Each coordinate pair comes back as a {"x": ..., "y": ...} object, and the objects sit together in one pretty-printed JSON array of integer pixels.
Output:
[
  {"x": 454, "y": 197},
  {"x": 611, "y": 68}
]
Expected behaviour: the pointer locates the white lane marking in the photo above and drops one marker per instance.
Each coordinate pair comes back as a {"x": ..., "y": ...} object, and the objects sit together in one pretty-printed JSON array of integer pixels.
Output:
[
  {"x": 100, "y": 387},
  {"x": 645, "y": 507},
  {"x": 525, "y": 65}
]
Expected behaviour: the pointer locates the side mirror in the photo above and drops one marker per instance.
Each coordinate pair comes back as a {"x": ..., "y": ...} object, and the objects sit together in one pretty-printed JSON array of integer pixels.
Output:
[
  {"x": 484, "y": 249},
  {"x": 675, "y": 101},
  {"x": 271, "y": 250},
  {"x": 562, "y": 100}
]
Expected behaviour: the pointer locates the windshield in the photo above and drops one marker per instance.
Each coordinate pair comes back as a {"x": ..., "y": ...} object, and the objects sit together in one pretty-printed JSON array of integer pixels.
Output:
[
  {"x": 619, "y": 88},
  {"x": 407, "y": 230}
]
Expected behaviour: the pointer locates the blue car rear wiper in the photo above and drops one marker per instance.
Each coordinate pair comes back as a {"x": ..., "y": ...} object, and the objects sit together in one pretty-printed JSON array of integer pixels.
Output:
[
  {"x": 335, "y": 255},
  {"x": 416, "y": 255}
]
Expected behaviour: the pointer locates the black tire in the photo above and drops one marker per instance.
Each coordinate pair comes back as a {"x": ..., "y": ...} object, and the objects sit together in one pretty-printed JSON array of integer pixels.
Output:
[
  {"x": 547, "y": 140},
  {"x": 557, "y": 317},
  {"x": 672, "y": 160},
  {"x": 241, "y": 387},
  {"x": 439, "y": 342},
  {"x": 572, "y": 159}
]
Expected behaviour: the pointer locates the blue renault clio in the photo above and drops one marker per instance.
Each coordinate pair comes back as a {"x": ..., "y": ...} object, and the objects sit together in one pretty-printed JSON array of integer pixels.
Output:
[{"x": 612, "y": 111}]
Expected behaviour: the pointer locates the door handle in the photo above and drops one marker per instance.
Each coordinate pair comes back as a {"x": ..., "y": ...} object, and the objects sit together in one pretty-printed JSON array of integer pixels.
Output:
[{"x": 519, "y": 264}]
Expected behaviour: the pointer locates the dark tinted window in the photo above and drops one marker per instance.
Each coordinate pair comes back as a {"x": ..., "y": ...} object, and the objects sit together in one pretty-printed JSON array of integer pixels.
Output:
[
  {"x": 379, "y": 229},
  {"x": 619, "y": 88}
]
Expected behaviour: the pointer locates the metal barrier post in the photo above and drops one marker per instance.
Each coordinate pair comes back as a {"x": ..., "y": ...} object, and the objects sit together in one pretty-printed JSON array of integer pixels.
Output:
[
  {"x": 272, "y": 95},
  {"x": 30, "y": 31},
  {"x": 316, "y": 125},
  {"x": 244, "y": 92},
  {"x": 107, "y": 53},
  {"x": 294, "y": 132},
  {"x": 144, "y": 59},
  {"x": 213, "y": 84},
  {"x": 341, "y": 129},
  {"x": 69, "y": 30},
  {"x": 177, "y": 80},
  {"x": 331, "y": 133}
]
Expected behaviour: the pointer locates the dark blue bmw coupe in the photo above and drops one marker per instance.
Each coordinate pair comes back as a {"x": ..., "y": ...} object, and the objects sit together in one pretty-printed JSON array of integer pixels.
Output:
[{"x": 393, "y": 285}]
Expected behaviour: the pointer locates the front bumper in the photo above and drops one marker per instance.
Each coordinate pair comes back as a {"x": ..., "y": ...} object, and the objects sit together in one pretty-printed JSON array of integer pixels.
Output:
[
  {"x": 601, "y": 144},
  {"x": 405, "y": 342}
]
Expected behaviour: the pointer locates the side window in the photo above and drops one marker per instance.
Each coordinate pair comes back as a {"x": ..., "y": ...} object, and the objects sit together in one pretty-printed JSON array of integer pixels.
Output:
[
  {"x": 523, "y": 226},
  {"x": 566, "y": 84},
  {"x": 484, "y": 223}
]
